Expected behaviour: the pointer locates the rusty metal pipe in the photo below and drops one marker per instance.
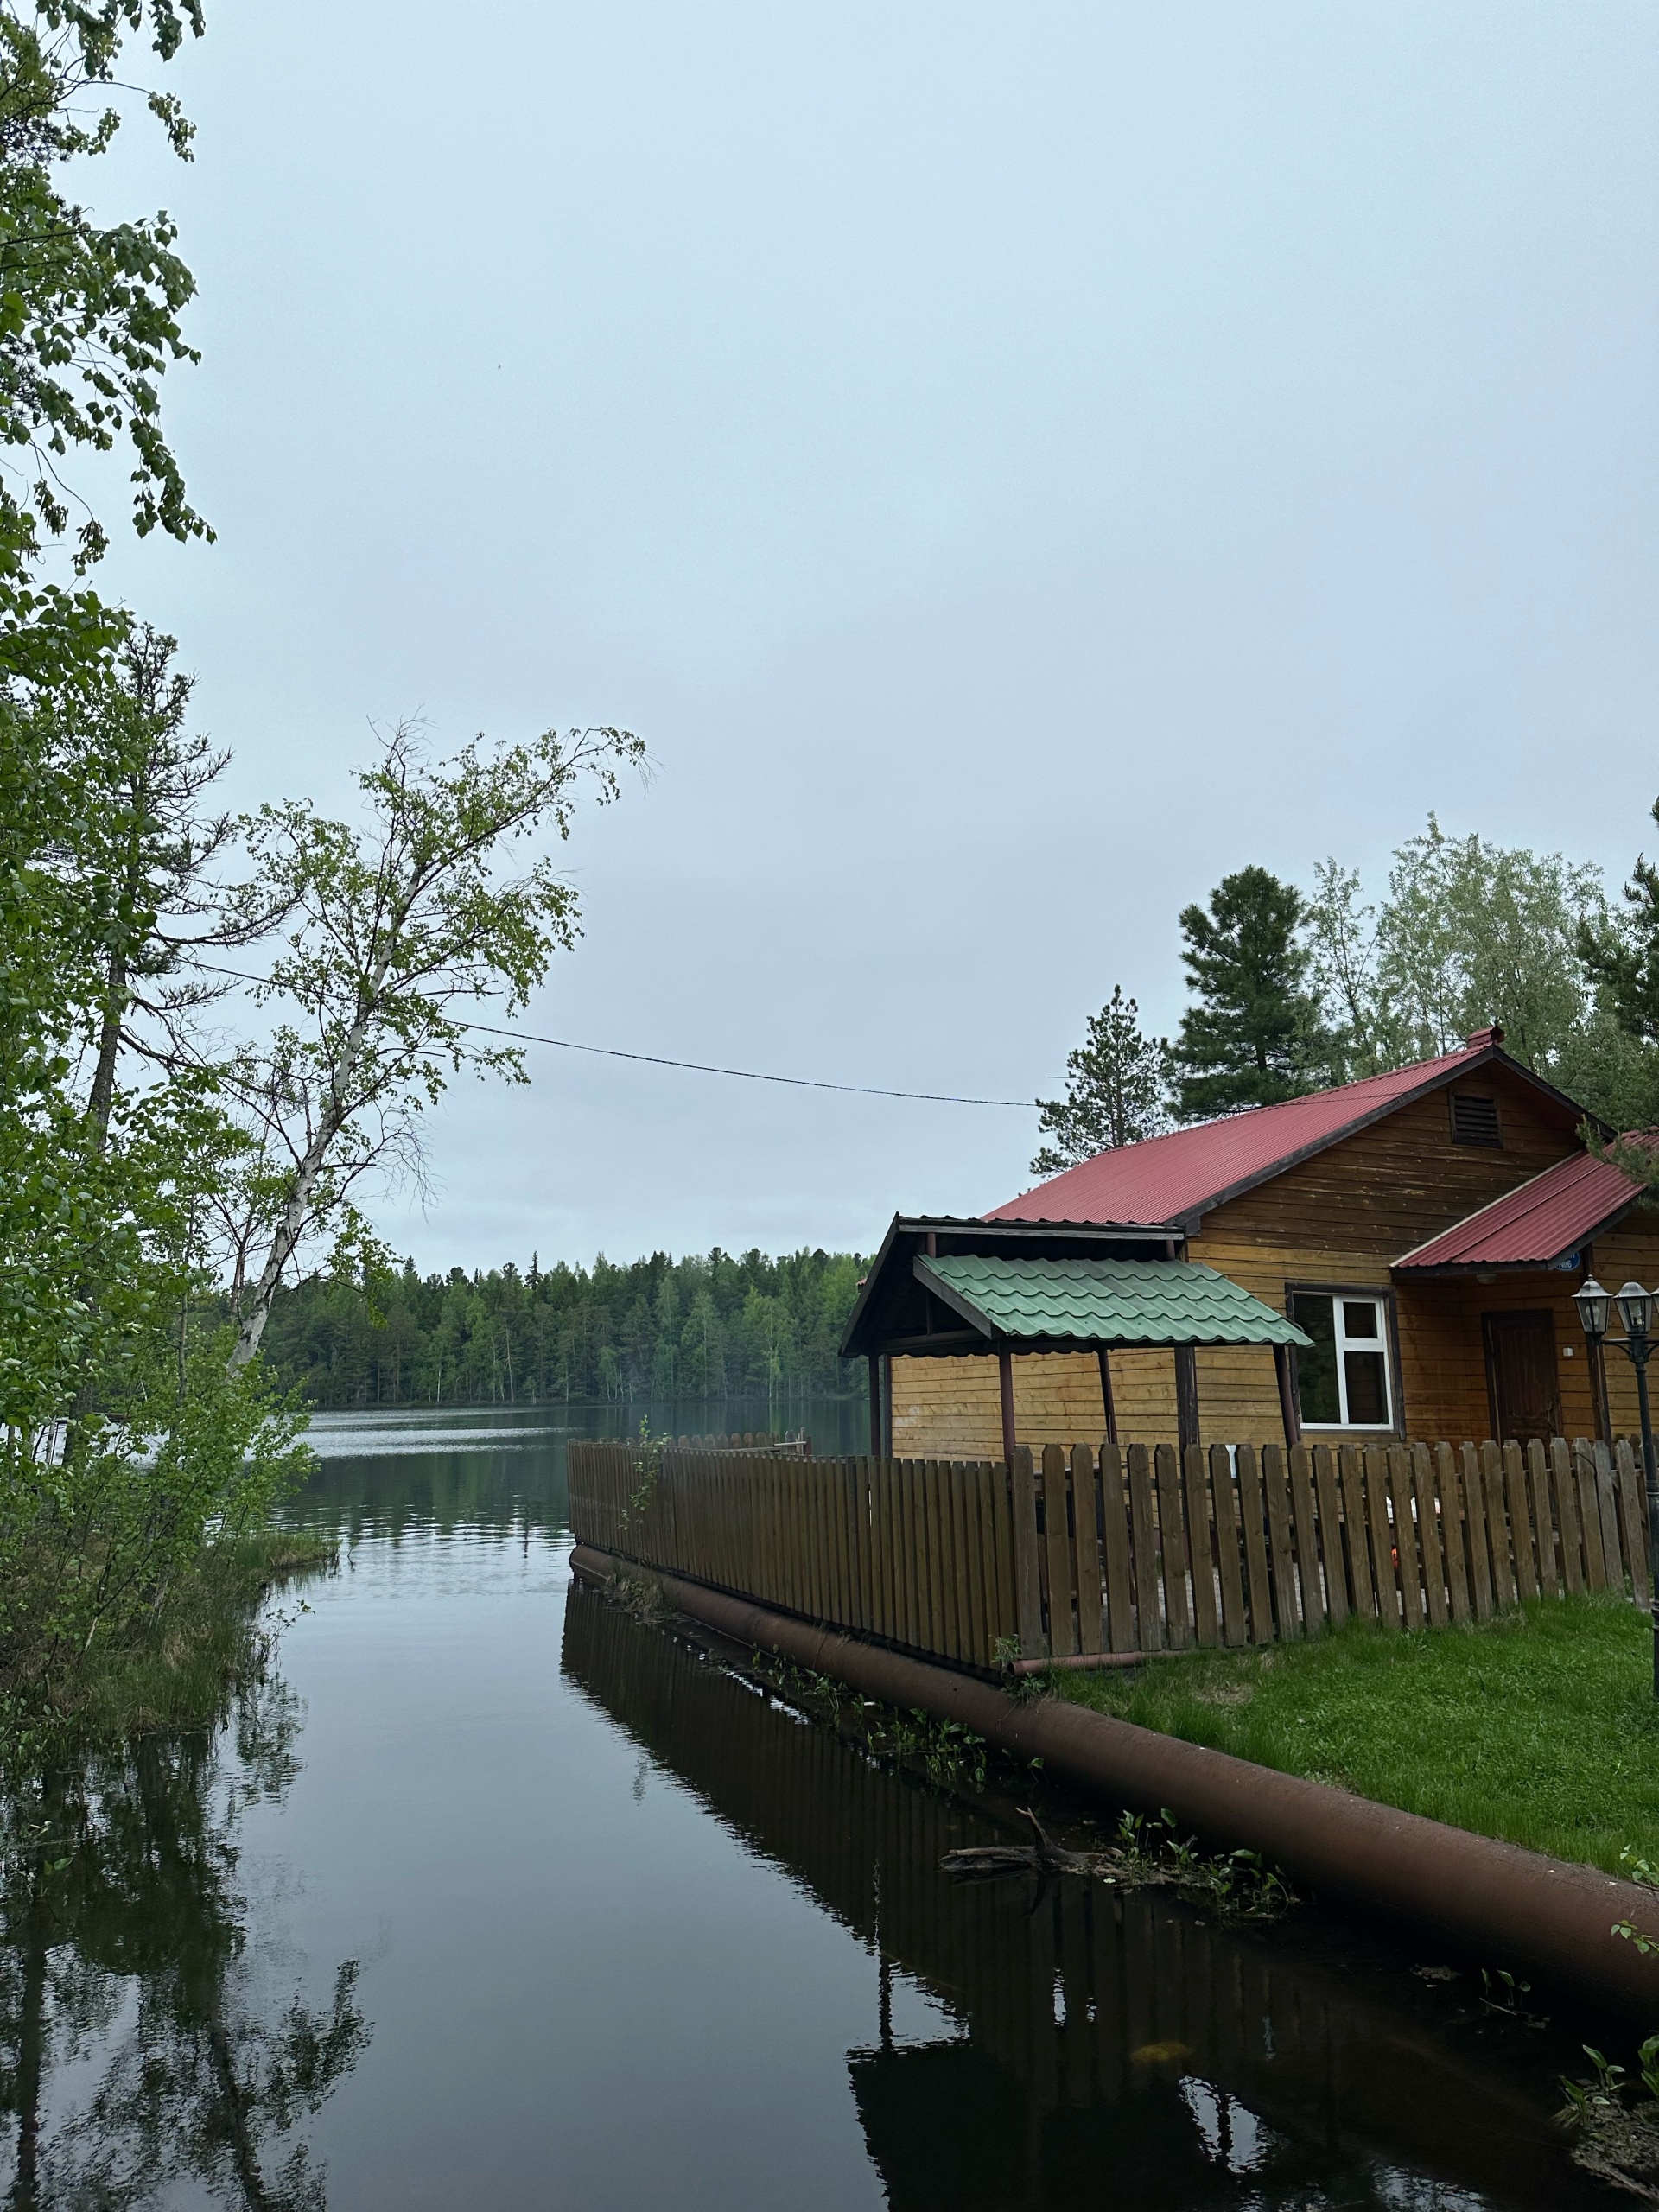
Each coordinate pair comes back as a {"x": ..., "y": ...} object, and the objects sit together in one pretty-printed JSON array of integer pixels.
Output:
[{"x": 1501, "y": 1904}]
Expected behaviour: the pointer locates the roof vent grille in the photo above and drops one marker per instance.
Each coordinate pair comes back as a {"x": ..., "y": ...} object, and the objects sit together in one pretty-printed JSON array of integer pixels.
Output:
[{"x": 1474, "y": 1121}]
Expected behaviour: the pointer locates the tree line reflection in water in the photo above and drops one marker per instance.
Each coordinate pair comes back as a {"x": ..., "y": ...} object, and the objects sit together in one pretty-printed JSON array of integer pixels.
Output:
[
  {"x": 1099, "y": 2048},
  {"x": 141, "y": 2045}
]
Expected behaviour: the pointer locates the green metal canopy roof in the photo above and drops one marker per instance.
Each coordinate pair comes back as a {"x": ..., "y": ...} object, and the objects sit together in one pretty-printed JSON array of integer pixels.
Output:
[{"x": 1103, "y": 1301}]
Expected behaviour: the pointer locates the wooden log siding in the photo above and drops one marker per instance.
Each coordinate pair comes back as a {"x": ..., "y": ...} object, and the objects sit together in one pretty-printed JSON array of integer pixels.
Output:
[{"x": 1124, "y": 1549}]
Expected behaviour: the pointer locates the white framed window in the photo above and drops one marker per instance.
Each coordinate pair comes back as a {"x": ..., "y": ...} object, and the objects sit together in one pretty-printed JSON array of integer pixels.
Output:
[{"x": 1343, "y": 1382}]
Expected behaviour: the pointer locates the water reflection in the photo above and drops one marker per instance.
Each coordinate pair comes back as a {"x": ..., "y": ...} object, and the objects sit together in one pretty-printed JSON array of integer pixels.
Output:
[
  {"x": 143, "y": 2047},
  {"x": 1099, "y": 2048}
]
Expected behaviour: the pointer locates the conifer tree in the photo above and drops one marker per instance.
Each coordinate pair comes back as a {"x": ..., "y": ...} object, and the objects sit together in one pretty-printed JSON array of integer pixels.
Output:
[
  {"x": 1116, "y": 1087},
  {"x": 1254, "y": 1035}
]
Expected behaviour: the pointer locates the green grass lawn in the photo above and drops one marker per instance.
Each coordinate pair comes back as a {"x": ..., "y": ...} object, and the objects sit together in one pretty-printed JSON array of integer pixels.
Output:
[{"x": 1539, "y": 1726}]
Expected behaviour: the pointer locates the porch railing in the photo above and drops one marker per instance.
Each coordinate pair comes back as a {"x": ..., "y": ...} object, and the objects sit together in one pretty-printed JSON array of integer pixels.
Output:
[{"x": 1124, "y": 1549}]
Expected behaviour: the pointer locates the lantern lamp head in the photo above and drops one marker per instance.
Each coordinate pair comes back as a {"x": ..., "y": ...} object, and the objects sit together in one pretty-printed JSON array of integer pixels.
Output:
[
  {"x": 1636, "y": 1310},
  {"x": 1595, "y": 1306}
]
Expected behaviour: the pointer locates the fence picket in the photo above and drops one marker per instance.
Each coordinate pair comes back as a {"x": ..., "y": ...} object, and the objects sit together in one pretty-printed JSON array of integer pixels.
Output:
[
  {"x": 1566, "y": 1490},
  {"x": 999, "y": 1483},
  {"x": 1062, "y": 1563},
  {"x": 1350, "y": 1483},
  {"x": 1543, "y": 1516},
  {"x": 1405, "y": 1535},
  {"x": 976, "y": 1510},
  {"x": 936, "y": 1492},
  {"x": 1196, "y": 1504},
  {"x": 1086, "y": 1529},
  {"x": 1514, "y": 1492},
  {"x": 943, "y": 1506},
  {"x": 1505, "y": 1592},
  {"x": 1384, "y": 1571},
  {"x": 1584, "y": 1477},
  {"x": 1448, "y": 1483},
  {"x": 1028, "y": 1587},
  {"x": 1633, "y": 1521},
  {"x": 1607, "y": 1509},
  {"x": 1333, "y": 1568},
  {"x": 1252, "y": 1512},
  {"x": 1474, "y": 1533},
  {"x": 1233, "y": 1625},
  {"x": 1423, "y": 1483},
  {"x": 1308, "y": 1542},
  {"x": 1115, "y": 1542},
  {"x": 1178, "y": 1616},
  {"x": 1148, "y": 1610},
  {"x": 1275, "y": 1481}
]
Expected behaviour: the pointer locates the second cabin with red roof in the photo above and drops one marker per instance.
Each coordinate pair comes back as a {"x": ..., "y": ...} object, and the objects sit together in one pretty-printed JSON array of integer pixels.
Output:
[{"x": 1422, "y": 1233}]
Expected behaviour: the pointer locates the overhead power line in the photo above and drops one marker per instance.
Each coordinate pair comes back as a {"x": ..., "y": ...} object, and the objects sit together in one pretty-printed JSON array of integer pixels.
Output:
[
  {"x": 703, "y": 1067},
  {"x": 748, "y": 1074}
]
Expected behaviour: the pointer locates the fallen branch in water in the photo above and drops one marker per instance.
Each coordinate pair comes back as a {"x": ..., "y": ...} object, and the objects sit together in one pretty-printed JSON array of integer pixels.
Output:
[
  {"x": 1236, "y": 1884},
  {"x": 1043, "y": 1857}
]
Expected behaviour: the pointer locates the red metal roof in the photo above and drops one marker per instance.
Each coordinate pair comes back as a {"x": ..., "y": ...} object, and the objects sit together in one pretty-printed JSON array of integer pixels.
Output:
[
  {"x": 1544, "y": 1220},
  {"x": 1170, "y": 1178}
]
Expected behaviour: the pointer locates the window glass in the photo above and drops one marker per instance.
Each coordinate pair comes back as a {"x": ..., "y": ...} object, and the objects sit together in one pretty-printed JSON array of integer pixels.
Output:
[
  {"x": 1343, "y": 1381},
  {"x": 1316, "y": 1370},
  {"x": 1368, "y": 1390}
]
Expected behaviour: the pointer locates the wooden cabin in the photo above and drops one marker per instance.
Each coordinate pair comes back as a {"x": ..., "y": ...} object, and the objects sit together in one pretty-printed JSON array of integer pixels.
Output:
[{"x": 1425, "y": 1231}]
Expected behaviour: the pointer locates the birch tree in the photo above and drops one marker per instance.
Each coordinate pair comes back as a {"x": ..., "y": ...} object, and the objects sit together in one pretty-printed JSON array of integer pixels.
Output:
[{"x": 407, "y": 939}]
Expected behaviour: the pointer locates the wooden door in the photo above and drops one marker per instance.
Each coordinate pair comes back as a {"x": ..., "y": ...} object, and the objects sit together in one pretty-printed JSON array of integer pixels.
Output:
[{"x": 1521, "y": 1376}]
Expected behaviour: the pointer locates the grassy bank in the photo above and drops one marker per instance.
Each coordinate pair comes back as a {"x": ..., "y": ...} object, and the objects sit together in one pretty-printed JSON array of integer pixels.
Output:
[
  {"x": 1539, "y": 1727},
  {"x": 177, "y": 1673}
]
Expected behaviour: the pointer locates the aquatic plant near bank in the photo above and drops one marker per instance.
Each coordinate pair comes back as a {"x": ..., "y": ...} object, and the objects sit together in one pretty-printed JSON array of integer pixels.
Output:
[
  {"x": 1145, "y": 1854},
  {"x": 1613, "y": 2118}
]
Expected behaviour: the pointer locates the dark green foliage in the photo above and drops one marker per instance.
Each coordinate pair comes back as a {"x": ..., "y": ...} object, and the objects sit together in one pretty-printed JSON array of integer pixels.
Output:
[
  {"x": 89, "y": 312},
  {"x": 1116, "y": 1082},
  {"x": 1254, "y": 1035},
  {"x": 1625, "y": 962},
  {"x": 658, "y": 1328},
  {"x": 124, "y": 1442}
]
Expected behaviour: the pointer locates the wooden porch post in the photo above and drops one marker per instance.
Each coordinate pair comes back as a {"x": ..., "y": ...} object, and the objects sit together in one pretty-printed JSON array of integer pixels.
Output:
[
  {"x": 1106, "y": 1398},
  {"x": 1187, "y": 1394},
  {"x": 1293, "y": 1420},
  {"x": 1005, "y": 1380},
  {"x": 875, "y": 1406}
]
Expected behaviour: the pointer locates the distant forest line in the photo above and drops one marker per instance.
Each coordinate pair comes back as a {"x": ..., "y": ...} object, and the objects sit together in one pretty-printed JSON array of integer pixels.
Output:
[{"x": 709, "y": 1326}]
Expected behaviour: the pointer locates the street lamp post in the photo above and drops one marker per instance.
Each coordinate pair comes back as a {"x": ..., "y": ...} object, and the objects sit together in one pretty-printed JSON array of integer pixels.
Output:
[{"x": 1635, "y": 1311}]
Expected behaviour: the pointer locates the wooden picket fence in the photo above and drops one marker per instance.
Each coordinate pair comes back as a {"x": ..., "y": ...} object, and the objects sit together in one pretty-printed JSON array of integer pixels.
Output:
[
  {"x": 909, "y": 1552},
  {"x": 1126, "y": 1549}
]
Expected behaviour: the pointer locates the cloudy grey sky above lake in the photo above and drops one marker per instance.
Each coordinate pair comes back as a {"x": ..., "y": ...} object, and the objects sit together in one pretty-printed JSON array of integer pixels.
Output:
[{"x": 1011, "y": 465}]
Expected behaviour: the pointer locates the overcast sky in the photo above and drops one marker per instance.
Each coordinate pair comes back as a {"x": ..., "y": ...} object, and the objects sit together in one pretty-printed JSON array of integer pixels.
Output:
[{"x": 1012, "y": 465}]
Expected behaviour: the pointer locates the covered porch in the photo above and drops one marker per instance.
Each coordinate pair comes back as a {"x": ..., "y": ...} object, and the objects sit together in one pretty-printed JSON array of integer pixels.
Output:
[
  {"x": 949, "y": 1290},
  {"x": 1491, "y": 1342}
]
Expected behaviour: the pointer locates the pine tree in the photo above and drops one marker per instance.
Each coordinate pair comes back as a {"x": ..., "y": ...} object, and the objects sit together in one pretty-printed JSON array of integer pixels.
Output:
[
  {"x": 1254, "y": 1035},
  {"x": 1116, "y": 1087}
]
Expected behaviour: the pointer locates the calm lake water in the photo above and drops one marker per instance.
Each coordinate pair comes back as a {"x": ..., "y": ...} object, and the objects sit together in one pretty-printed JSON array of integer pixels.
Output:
[{"x": 492, "y": 1895}]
